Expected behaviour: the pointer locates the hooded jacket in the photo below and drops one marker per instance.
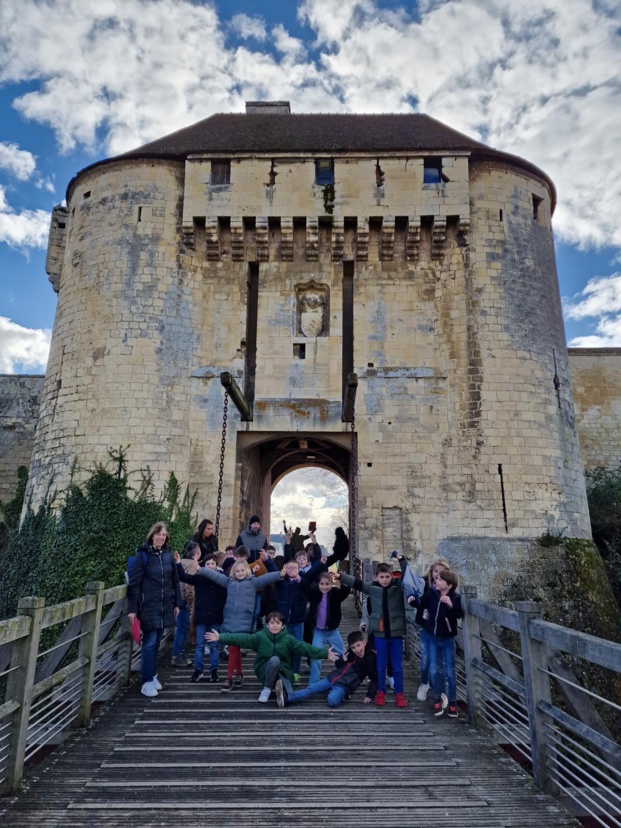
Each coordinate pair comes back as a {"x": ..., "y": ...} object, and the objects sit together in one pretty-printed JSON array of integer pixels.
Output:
[
  {"x": 240, "y": 597},
  {"x": 436, "y": 617},
  {"x": 351, "y": 672},
  {"x": 209, "y": 597},
  {"x": 267, "y": 644},
  {"x": 153, "y": 591}
]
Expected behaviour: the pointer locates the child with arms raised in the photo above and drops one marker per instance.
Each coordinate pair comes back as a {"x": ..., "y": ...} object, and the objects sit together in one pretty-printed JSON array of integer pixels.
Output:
[
  {"x": 275, "y": 649},
  {"x": 241, "y": 589}
]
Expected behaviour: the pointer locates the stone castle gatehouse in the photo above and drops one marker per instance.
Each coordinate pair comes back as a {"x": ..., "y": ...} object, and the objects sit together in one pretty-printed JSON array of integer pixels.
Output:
[{"x": 294, "y": 250}]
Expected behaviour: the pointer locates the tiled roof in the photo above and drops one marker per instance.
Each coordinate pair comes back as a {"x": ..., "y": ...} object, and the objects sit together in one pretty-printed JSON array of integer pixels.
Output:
[
  {"x": 326, "y": 134},
  {"x": 309, "y": 133}
]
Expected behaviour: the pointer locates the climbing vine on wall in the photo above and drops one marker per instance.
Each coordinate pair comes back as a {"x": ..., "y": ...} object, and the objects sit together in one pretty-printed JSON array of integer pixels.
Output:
[{"x": 90, "y": 537}]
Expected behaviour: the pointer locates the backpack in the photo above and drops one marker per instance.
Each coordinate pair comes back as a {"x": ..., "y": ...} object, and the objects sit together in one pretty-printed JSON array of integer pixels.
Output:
[{"x": 132, "y": 559}]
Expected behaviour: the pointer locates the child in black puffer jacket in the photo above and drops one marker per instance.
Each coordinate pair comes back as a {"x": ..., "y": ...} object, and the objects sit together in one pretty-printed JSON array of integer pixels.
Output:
[{"x": 349, "y": 673}]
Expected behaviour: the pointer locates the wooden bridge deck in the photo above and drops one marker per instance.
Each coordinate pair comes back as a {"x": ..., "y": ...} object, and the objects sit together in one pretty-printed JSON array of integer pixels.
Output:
[{"x": 194, "y": 756}]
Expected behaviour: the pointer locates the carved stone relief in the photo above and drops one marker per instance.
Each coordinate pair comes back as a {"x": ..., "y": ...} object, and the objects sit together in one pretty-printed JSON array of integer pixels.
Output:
[{"x": 312, "y": 309}]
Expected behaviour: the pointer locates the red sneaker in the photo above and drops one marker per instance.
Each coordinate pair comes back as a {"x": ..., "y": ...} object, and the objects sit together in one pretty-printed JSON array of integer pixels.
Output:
[
  {"x": 401, "y": 700},
  {"x": 380, "y": 698}
]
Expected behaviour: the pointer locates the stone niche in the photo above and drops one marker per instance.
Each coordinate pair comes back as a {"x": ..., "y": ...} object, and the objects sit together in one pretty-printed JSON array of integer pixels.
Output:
[{"x": 312, "y": 310}]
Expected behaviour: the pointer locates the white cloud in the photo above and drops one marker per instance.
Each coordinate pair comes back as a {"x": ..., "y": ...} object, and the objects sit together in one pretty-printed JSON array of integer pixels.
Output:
[
  {"x": 17, "y": 162},
  {"x": 310, "y": 494},
  {"x": 536, "y": 79},
  {"x": 600, "y": 299},
  {"x": 22, "y": 348},
  {"x": 246, "y": 26},
  {"x": 28, "y": 228}
]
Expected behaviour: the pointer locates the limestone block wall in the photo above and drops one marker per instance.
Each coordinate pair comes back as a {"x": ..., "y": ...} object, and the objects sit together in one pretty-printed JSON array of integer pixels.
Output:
[
  {"x": 464, "y": 419},
  {"x": 19, "y": 406},
  {"x": 596, "y": 381},
  {"x": 124, "y": 329}
]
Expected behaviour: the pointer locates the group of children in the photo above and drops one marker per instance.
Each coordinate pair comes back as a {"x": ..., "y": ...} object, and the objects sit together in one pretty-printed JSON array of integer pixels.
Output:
[{"x": 228, "y": 605}]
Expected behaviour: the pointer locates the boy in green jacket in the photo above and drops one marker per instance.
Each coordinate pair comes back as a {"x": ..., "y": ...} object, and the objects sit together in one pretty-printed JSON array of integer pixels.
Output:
[{"x": 274, "y": 649}]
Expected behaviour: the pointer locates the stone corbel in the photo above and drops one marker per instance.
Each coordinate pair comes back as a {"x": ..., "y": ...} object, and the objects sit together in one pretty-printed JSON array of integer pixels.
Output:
[
  {"x": 312, "y": 238},
  {"x": 263, "y": 239},
  {"x": 388, "y": 238},
  {"x": 438, "y": 237},
  {"x": 286, "y": 239},
  {"x": 463, "y": 231},
  {"x": 187, "y": 230},
  {"x": 362, "y": 240},
  {"x": 338, "y": 239},
  {"x": 237, "y": 239},
  {"x": 412, "y": 241},
  {"x": 212, "y": 239}
]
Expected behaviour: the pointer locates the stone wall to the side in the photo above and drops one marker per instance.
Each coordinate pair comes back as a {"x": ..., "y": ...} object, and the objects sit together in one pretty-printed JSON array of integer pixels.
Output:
[
  {"x": 20, "y": 396},
  {"x": 596, "y": 382},
  {"x": 124, "y": 330}
]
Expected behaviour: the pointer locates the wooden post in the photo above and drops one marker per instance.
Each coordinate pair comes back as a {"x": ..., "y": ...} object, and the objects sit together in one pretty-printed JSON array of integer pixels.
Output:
[
  {"x": 24, "y": 653},
  {"x": 236, "y": 395},
  {"x": 88, "y": 647},
  {"x": 349, "y": 398},
  {"x": 537, "y": 688},
  {"x": 472, "y": 650}
]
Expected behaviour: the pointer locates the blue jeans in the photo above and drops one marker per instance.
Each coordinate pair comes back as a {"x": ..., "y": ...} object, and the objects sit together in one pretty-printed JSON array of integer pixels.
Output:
[
  {"x": 426, "y": 676},
  {"x": 323, "y": 638},
  {"x": 393, "y": 647},
  {"x": 181, "y": 631},
  {"x": 214, "y": 647},
  {"x": 256, "y": 613},
  {"x": 148, "y": 655},
  {"x": 335, "y": 694},
  {"x": 297, "y": 631},
  {"x": 442, "y": 651}
]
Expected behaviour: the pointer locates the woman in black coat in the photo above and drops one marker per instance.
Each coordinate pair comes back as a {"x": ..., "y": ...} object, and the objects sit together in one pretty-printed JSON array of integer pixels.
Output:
[{"x": 153, "y": 595}]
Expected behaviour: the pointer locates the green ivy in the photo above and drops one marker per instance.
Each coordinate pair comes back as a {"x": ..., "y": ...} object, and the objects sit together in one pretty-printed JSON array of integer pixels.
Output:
[
  {"x": 604, "y": 495},
  {"x": 90, "y": 537}
]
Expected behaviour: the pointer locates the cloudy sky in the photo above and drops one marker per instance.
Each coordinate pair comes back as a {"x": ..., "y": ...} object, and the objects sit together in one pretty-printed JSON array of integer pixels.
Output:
[{"x": 84, "y": 79}]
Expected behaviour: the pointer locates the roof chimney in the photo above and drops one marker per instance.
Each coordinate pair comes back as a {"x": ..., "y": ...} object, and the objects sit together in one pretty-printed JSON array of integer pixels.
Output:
[{"x": 268, "y": 108}]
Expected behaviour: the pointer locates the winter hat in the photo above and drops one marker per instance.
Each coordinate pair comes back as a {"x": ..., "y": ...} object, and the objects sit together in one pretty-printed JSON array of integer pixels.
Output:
[{"x": 254, "y": 519}]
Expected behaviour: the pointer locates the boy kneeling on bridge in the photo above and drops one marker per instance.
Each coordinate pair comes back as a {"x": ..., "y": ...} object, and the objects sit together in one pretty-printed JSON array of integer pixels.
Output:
[{"x": 275, "y": 649}]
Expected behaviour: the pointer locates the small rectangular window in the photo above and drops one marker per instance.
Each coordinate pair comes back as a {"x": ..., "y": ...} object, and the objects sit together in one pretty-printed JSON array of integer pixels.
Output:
[
  {"x": 299, "y": 351},
  {"x": 324, "y": 171},
  {"x": 220, "y": 173},
  {"x": 432, "y": 171},
  {"x": 538, "y": 209}
]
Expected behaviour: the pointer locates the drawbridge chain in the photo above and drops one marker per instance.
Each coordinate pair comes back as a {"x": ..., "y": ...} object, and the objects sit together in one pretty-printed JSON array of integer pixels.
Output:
[{"x": 222, "y": 451}]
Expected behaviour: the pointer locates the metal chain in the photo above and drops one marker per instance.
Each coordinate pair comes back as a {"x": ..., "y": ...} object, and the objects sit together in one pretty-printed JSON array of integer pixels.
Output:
[
  {"x": 353, "y": 473},
  {"x": 222, "y": 450}
]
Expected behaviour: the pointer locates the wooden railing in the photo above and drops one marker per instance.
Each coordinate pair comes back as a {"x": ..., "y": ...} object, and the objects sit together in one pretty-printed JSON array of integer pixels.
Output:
[
  {"x": 48, "y": 687},
  {"x": 520, "y": 679}
]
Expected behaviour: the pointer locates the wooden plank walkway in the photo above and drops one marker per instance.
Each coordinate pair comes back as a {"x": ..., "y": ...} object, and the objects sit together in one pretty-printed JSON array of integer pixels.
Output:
[{"x": 194, "y": 756}]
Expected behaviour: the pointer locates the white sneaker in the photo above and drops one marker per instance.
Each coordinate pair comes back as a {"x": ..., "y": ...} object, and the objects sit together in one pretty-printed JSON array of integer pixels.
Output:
[
  {"x": 158, "y": 686},
  {"x": 422, "y": 691},
  {"x": 390, "y": 682},
  {"x": 264, "y": 696},
  {"x": 149, "y": 689},
  {"x": 444, "y": 701}
]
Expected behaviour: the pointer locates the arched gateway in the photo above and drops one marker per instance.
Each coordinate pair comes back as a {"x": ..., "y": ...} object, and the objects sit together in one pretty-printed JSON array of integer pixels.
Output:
[{"x": 293, "y": 251}]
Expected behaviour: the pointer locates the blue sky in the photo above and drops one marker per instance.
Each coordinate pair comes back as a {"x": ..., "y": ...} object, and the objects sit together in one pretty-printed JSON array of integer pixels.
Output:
[{"x": 82, "y": 80}]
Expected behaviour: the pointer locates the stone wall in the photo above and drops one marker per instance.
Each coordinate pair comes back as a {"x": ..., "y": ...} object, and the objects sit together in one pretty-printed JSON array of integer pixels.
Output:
[
  {"x": 19, "y": 407},
  {"x": 464, "y": 418},
  {"x": 596, "y": 382}
]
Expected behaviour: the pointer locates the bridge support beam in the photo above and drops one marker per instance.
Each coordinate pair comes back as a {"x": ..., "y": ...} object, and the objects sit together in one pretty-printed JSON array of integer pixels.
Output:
[
  {"x": 349, "y": 398},
  {"x": 237, "y": 396},
  {"x": 472, "y": 650}
]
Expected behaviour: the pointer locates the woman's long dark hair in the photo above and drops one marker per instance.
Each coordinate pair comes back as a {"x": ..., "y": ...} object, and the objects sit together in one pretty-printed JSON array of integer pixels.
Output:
[{"x": 198, "y": 537}]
